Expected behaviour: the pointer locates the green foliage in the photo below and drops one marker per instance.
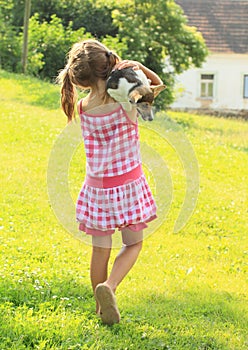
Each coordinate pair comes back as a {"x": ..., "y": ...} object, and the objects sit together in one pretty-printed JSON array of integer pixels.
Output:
[
  {"x": 13, "y": 11},
  {"x": 48, "y": 44},
  {"x": 95, "y": 19},
  {"x": 10, "y": 50},
  {"x": 115, "y": 44},
  {"x": 50, "y": 41},
  {"x": 6, "y": 12},
  {"x": 187, "y": 291},
  {"x": 153, "y": 32},
  {"x": 157, "y": 32},
  {"x": 54, "y": 27}
]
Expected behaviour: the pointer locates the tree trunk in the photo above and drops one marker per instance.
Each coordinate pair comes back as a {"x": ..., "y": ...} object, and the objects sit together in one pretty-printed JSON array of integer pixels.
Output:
[{"x": 25, "y": 35}]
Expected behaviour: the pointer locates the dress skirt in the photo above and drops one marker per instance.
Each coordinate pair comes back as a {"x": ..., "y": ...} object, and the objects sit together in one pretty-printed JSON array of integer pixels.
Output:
[{"x": 102, "y": 209}]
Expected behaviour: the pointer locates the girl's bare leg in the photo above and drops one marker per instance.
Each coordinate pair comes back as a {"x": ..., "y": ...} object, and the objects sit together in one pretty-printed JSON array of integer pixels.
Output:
[
  {"x": 126, "y": 258},
  {"x": 99, "y": 261}
]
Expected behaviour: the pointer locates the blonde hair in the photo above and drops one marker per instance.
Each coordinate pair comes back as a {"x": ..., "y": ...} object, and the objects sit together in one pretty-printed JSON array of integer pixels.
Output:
[{"x": 88, "y": 61}]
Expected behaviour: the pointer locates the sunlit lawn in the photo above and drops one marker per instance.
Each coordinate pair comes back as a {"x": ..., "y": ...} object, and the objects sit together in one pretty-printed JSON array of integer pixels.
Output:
[{"x": 187, "y": 291}]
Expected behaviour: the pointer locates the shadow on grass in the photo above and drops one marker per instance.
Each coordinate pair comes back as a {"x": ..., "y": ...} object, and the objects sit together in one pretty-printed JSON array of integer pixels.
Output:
[
  {"x": 34, "y": 292},
  {"x": 52, "y": 314},
  {"x": 60, "y": 315},
  {"x": 239, "y": 148},
  {"x": 202, "y": 320}
]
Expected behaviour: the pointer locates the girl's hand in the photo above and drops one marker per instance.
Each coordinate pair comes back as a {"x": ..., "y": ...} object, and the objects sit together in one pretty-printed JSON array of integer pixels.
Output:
[
  {"x": 128, "y": 63},
  {"x": 152, "y": 76}
]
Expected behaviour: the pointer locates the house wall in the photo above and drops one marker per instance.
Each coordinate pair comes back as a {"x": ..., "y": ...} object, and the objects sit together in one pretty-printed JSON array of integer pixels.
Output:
[{"x": 228, "y": 70}]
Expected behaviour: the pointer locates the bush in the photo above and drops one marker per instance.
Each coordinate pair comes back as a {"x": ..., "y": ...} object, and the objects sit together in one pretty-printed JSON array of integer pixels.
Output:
[
  {"x": 48, "y": 43},
  {"x": 10, "y": 50}
]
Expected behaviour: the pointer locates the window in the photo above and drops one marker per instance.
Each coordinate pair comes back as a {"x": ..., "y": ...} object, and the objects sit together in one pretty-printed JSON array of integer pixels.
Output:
[
  {"x": 207, "y": 85},
  {"x": 246, "y": 86}
]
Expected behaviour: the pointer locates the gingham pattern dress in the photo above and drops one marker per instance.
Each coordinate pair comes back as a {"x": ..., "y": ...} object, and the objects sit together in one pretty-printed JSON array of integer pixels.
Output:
[{"x": 115, "y": 193}]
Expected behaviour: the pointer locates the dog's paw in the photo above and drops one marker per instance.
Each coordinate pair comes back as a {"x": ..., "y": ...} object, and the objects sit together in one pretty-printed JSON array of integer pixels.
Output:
[{"x": 127, "y": 106}]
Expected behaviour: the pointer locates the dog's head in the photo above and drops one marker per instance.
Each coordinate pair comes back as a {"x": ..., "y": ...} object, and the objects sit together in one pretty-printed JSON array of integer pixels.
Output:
[
  {"x": 143, "y": 97},
  {"x": 131, "y": 87}
]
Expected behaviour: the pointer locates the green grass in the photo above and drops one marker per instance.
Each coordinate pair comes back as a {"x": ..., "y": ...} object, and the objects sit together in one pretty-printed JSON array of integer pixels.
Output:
[{"x": 187, "y": 291}]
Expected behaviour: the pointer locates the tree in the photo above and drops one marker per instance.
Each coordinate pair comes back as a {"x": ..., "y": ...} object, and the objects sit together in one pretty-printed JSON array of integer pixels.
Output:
[
  {"x": 157, "y": 34},
  {"x": 10, "y": 51},
  {"x": 25, "y": 35},
  {"x": 154, "y": 32},
  {"x": 80, "y": 13},
  {"x": 50, "y": 41}
]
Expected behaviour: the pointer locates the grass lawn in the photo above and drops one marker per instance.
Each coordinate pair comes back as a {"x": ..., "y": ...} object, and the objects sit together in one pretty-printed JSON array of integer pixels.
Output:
[{"x": 187, "y": 291}]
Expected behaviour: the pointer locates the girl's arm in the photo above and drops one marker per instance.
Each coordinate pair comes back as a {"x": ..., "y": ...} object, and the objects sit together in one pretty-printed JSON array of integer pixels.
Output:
[{"x": 152, "y": 76}]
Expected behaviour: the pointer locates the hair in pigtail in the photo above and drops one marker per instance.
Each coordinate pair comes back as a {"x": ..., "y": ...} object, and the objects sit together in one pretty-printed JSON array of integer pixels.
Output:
[
  {"x": 68, "y": 93},
  {"x": 113, "y": 59},
  {"x": 88, "y": 61}
]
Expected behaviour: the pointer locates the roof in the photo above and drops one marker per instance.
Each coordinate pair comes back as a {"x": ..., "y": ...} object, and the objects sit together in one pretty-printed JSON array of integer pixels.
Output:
[{"x": 223, "y": 23}]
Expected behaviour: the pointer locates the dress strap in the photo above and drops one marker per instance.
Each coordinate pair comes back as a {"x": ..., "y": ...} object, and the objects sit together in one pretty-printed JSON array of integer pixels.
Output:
[{"x": 80, "y": 106}]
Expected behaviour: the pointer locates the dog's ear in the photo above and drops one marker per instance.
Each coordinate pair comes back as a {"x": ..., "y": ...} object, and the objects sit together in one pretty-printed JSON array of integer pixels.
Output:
[
  {"x": 134, "y": 96},
  {"x": 157, "y": 89}
]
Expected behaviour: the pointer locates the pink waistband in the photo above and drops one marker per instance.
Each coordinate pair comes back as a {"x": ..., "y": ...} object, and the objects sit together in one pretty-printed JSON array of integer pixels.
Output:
[{"x": 114, "y": 181}]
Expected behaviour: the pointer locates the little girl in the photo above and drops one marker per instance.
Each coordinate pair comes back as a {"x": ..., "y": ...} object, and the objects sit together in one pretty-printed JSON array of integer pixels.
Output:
[{"x": 115, "y": 193}]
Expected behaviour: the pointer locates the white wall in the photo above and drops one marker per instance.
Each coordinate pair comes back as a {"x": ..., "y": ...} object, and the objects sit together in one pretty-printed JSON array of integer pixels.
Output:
[{"x": 229, "y": 71}]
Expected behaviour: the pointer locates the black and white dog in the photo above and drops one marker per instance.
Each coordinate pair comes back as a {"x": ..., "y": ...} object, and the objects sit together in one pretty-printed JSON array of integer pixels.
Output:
[{"x": 131, "y": 87}]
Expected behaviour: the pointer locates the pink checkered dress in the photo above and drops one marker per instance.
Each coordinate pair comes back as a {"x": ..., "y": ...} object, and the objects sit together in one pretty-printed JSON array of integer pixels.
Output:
[{"x": 115, "y": 193}]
